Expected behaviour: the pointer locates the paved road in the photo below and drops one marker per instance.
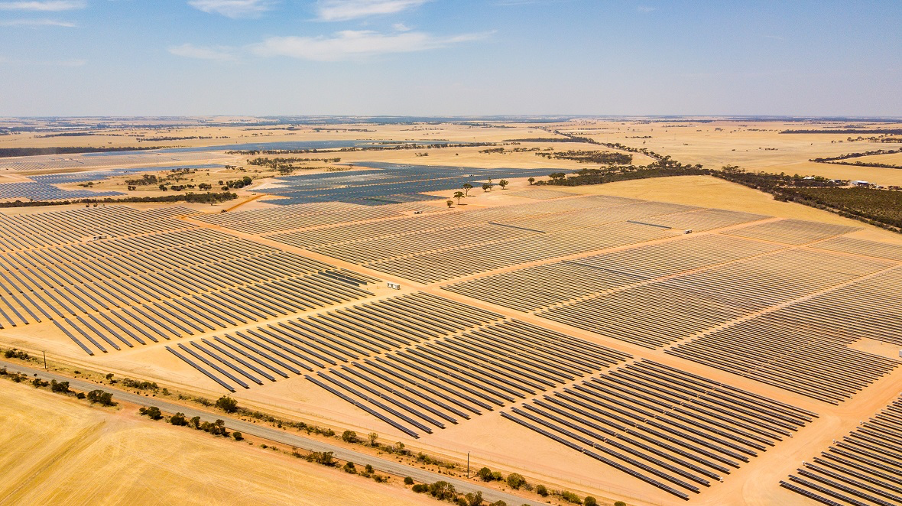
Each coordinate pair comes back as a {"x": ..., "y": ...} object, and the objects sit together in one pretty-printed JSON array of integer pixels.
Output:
[{"x": 282, "y": 437}]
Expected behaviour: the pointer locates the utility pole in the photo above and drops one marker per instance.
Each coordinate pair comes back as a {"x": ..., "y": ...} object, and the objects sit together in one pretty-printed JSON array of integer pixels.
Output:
[
  {"x": 45, "y": 359},
  {"x": 468, "y": 465}
]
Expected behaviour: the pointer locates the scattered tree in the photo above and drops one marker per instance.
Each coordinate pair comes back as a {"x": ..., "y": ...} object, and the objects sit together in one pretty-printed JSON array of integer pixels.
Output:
[
  {"x": 373, "y": 437},
  {"x": 515, "y": 481},
  {"x": 152, "y": 412},
  {"x": 467, "y": 187},
  {"x": 486, "y": 187},
  {"x": 349, "y": 436},
  {"x": 484, "y": 474},
  {"x": 237, "y": 435},
  {"x": 101, "y": 397},
  {"x": 542, "y": 491},
  {"x": 449, "y": 202},
  {"x": 227, "y": 404},
  {"x": 408, "y": 480},
  {"x": 61, "y": 388},
  {"x": 458, "y": 196},
  {"x": 503, "y": 183},
  {"x": 531, "y": 180},
  {"x": 590, "y": 501},
  {"x": 474, "y": 499},
  {"x": 178, "y": 419}
]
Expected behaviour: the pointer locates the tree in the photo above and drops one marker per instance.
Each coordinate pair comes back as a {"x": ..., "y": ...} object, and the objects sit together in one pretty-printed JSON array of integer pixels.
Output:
[
  {"x": 372, "y": 437},
  {"x": 61, "y": 388},
  {"x": 619, "y": 503},
  {"x": 227, "y": 404},
  {"x": 458, "y": 196},
  {"x": 503, "y": 183},
  {"x": 474, "y": 499},
  {"x": 101, "y": 397},
  {"x": 178, "y": 419},
  {"x": 484, "y": 474},
  {"x": 590, "y": 501},
  {"x": 467, "y": 187},
  {"x": 515, "y": 480},
  {"x": 152, "y": 412},
  {"x": 486, "y": 187},
  {"x": 349, "y": 436},
  {"x": 557, "y": 176},
  {"x": 542, "y": 491},
  {"x": 531, "y": 180},
  {"x": 408, "y": 480},
  {"x": 449, "y": 202},
  {"x": 237, "y": 435}
]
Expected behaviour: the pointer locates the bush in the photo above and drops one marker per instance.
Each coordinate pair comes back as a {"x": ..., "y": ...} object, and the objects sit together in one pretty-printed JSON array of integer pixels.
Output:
[
  {"x": 497, "y": 476},
  {"x": 349, "y": 468},
  {"x": 541, "y": 490},
  {"x": 515, "y": 481},
  {"x": 590, "y": 501},
  {"x": 474, "y": 499},
  {"x": 152, "y": 412},
  {"x": 484, "y": 474},
  {"x": 227, "y": 404},
  {"x": 80, "y": 395},
  {"x": 178, "y": 419},
  {"x": 442, "y": 490},
  {"x": 571, "y": 497},
  {"x": 38, "y": 383},
  {"x": 408, "y": 481},
  {"x": 60, "y": 388},
  {"x": 194, "y": 422},
  {"x": 14, "y": 353},
  {"x": 369, "y": 468},
  {"x": 101, "y": 397},
  {"x": 349, "y": 436},
  {"x": 619, "y": 503},
  {"x": 237, "y": 435},
  {"x": 324, "y": 458},
  {"x": 419, "y": 488}
]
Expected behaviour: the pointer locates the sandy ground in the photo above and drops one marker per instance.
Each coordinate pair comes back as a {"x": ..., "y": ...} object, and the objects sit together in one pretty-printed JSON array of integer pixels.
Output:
[{"x": 60, "y": 451}]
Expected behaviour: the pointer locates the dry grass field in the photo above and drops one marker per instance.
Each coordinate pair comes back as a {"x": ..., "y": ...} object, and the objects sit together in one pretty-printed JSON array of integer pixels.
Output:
[
  {"x": 59, "y": 451},
  {"x": 577, "y": 335}
]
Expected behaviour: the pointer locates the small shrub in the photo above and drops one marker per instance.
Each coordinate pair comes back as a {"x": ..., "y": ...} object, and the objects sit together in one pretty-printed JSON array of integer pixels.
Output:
[
  {"x": 619, "y": 503},
  {"x": 515, "y": 481},
  {"x": 541, "y": 490},
  {"x": 590, "y": 501},
  {"x": 369, "y": 468},
  {"x": 408, "y": 481},
  {"x": 38, "y": 383},
  {"x": 349, "y": 468},
  {"x": 442, "y": 490},
  {"x": 474, "y": 499},
  {"x": 14, "y": 353},
  {"x": 349, "y": 436},
  {"x": 194, "y": 422},
  {"x": 227, "y": 404},
  {"x": 497, "y": 476},
  {"x": 372, "y": 437},
  {"x": 571, "y": 497},
  {"x": 419, "y": 488},
  {"x": 178, "y": 419},
  {"x": 80, "y": 395},
  {"x": 380, "y": 478},
  {"x": 324, "y": 458},
  {"x": 237, "y": 435},
  {"x": 484, "y": 474}
]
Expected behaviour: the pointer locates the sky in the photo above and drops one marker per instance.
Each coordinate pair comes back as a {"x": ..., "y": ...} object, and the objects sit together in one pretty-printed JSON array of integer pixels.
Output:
[{"x": 450, "y": 57}]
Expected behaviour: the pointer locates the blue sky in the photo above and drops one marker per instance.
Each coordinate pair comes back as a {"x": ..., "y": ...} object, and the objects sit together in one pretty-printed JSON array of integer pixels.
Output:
[{"x": 449, "y": 57}]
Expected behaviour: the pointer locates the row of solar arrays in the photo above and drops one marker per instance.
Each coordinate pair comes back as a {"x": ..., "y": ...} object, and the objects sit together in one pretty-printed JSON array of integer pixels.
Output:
[
  {"x": 862, "y": 247},
  {"x": 62, "y": 227},
  {"x": 137, "y": 282},
  {"x": 662, "y": 312},
  {"x": 217, "y": 310},
  {"x": 341, "y": 335},
  {"x": 803, "y": 348},
  {"x": 43, "y": 191},
  {"x": 864, "y": 468},
  {"x": 430, "y": 267},
  {"x": 792, "y": 231},
  {"x": 674, "y": 430},
  {"x": 421, "y": 387},
  {"x": 538, "y": 287}
]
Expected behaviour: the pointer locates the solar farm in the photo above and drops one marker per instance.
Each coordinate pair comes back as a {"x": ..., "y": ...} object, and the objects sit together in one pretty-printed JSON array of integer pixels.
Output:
[{"x": 648, "y": 348}]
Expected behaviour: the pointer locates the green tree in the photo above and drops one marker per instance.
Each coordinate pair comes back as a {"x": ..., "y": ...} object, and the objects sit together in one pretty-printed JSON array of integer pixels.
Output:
[
  {"x": 373, "y": 437},
  {"x": 349, "y": 436},
  {"x": 541, "y": 490},
  {"x": 486, "y": 187},
  {"x": 152, "y": 412},
  {"x": 449, "y": 202},
  {"x": 474, "y": 499},
  {"x": 484, "y": 474},
  {"x": 467, "y": 187},
  {"x": 515, "y": 480},
  {"x": 590, "y": 501},
  {"x": 531, "y": 180},
  {"x": 237, "y": 435},
  {"x": 458, "y": 196},
  {"x": 227, "y": 404},
  {"x": 503, "y": 183},
  {"x": 178, "y": 419}
]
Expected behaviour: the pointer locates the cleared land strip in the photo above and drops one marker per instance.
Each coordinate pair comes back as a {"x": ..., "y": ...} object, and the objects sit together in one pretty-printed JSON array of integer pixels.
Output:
[
  {"x": 863, "y": 468},
  {"x": 282, "y": 437},
  {"x": 673, "y": 430}
]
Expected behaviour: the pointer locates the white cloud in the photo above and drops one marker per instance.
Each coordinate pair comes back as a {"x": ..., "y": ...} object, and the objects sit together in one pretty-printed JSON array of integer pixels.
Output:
[
  {"x": 343, "y": 10},
  {"x": 233, "y": 8},
  {"x": 43, "y": 6},
  {"x": 349, "y": 44},
  {"x": 35, "y": 23},
  {"x": 204, "y": 53}
]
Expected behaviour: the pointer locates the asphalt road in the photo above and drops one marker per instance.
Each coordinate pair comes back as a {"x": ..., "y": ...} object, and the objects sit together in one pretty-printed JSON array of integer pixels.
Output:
[{"x": 279, "y": 436}]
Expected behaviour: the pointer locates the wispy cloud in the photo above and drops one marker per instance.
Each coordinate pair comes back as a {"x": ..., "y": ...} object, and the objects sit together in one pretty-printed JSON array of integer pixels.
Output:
[
  {"x": 37, "y": 23},
  {"x": 350, "y": 44},
  {"x": 234, "y": 9},
  {"x": 44, "y": 6},
  {"x": 645, "y": 9},
  {"x": 204, "y": 53},
  {"x": 343, "y": 10}
]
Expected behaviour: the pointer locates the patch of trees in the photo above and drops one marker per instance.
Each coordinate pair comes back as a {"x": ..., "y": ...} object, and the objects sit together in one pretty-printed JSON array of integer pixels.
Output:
[
  {"x": 877, "y": 207},
  {"x": 227, "y": 404},
  {"x": 8, "y": 152},
  {"x": 163, "y": 139},
  {"x": 863, "y": 131},
  {"x": 236, "y": 183},
  {"x": 846, "y": 156},
  {"x": 202, "y": 198},
  {"x": 600, "y": 157},
  {"x": 140, "y": 385},
  {"x": 144, "y": 180},
  {"x": 14, "y": 353},
  {"x": 101, "y": 397}
]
